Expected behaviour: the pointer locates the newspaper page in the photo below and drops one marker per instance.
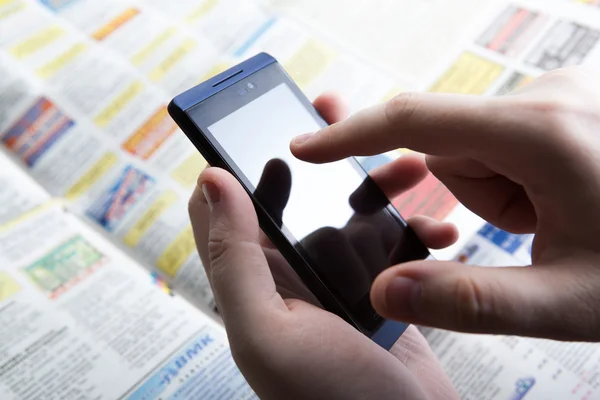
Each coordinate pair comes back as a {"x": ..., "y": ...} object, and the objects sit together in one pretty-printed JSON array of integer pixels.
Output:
[
  {"x": 85, "y": 86},
  {"x": 79, "y": 319},
  {"x": 87, "y": 116}
]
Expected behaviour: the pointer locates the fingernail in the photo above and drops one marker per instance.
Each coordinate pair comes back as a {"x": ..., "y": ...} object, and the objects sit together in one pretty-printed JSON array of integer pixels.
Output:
[
  {"x": 401, "y": 295},
  {"x": 298, "y": 140},
  {"x": 211, "y": 194}
]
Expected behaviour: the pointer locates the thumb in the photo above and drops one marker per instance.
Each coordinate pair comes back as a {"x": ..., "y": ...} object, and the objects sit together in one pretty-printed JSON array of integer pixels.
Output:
[
  {"x": 234, "y": 260},
  {"x": 533, "y": 301}
]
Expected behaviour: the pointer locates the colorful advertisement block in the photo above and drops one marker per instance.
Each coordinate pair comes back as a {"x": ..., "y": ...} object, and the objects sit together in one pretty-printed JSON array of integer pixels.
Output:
[
  {"x": 10, "y": 7},
  {"x": 162, "y": 204},
  {"x": 32, "y": 135},
  {"x": 52, "y": 67},
  {"x": 175, "y": 255},
  {"x": 92, "y": 175},
  {"x": 8, "y": 286},
  {"x": 507, "y": 241},
  {"x": 116, "y": 106},
  {"x": 173, "y": 58},
  {"x": 146, "y": 140},
  {"x": 115, "y": 24},
  {"x": 470, "y": 74},
  {"x": 113, "y": 205},
  {"x": 511, "y": 31},
  {"x": 204, "y": 8},
  {"x": 187, "y": 172},
  {"x": 65, "y": 266},
  {"x": 38, "y": 41},
  {"x": 145, "y": 52},
  {"x": 430, "y": 198},
  {"x": 202, "y": 369},
  {"x": 566, "y": 44}
]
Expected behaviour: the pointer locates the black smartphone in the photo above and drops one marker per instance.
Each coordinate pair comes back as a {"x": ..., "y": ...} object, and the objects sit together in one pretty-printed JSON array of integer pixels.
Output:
[{"x": 331, "y": 222}]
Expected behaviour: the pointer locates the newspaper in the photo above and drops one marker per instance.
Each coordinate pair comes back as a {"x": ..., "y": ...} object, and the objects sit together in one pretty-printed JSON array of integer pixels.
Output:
[
  {"x": 81, "y": 320},
  {"x": 84, "y": 86}
]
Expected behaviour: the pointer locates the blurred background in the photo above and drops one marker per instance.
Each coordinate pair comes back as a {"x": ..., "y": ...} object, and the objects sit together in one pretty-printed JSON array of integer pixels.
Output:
[{"x": 84, "y": 86}]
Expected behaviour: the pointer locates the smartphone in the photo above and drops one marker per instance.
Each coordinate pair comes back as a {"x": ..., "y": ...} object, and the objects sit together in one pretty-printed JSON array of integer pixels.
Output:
[{"x": 331, "y": 222}]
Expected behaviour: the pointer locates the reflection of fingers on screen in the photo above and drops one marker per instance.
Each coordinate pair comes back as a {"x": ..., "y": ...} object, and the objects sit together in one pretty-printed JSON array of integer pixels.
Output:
[
  {"x": 368, "y": 243},
  {"x": 273, "y": 189},
  {"x": 368, "y": 198},
  {"x": 338, "y": 262},
  {"x": 385, "y": 228}
]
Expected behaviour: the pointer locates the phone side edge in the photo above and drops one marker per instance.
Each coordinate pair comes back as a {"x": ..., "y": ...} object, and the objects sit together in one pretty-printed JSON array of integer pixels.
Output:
[{"x": 389, "y": 333}]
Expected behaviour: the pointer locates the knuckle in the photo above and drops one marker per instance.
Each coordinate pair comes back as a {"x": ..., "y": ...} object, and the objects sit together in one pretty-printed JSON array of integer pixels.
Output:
[
  {"x": 469, "y": 305},
  {"x": 402, "y": 106},
  {"x": 226, "y": 251},
  {"x": 329, "y": 134},
  {"x": 400, "y": 111},
  {"x": 217, "y": 241}
]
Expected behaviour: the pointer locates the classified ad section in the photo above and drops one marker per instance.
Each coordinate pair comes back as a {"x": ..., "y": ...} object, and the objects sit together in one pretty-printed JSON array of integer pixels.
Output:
[{"x": 80, "y": 320}]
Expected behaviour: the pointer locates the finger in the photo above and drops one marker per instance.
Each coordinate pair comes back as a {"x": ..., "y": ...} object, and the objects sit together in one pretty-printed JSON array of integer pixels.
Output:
[
  {"x": 492, "y": 196},
  {"x": 434, "y": 234},
  {"x": 393, "y": 178},
  {"x": 533, "y": 301},
  {"x": 237, "y": 268},
  {"x": 273, "y": 189},
  {"x": 200, "y": 218},
  {"x": 400, "y": 175},
  {"x": 438, "y": 124},
  {"x": 331, "y": 107}
]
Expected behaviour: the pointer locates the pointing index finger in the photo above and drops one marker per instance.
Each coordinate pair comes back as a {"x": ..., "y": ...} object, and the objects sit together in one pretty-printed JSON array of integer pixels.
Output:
[{"x": 437, "y": 124}]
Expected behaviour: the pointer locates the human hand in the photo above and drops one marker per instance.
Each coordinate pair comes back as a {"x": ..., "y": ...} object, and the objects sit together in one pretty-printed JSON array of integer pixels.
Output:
[
  {"x": 528, "y": 163},
  {"x": 285, "y": 346}
]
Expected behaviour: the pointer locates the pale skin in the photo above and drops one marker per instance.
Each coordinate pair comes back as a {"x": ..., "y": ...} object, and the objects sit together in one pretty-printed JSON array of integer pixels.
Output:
[{"x": 528, "y": 163}]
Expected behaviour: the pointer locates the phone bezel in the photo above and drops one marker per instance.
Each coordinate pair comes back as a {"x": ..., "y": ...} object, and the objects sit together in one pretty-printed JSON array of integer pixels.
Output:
[{"x": 384, "y": 332}]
